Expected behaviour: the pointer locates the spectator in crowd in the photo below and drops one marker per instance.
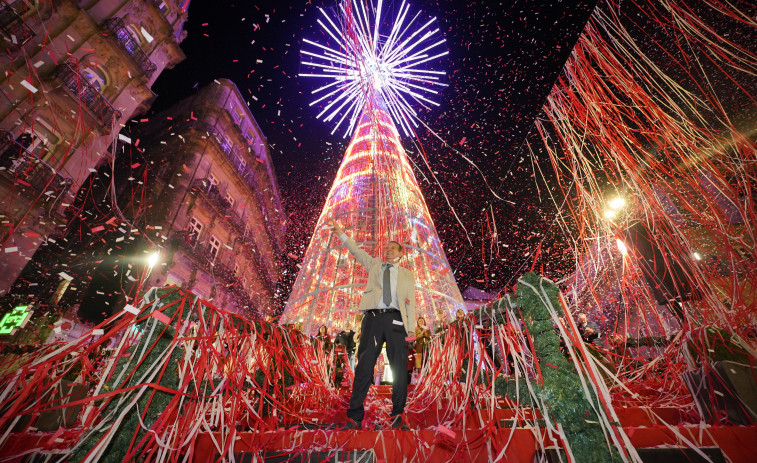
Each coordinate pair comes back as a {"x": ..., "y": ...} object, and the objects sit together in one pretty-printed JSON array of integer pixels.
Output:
[
  {"x": 347, "y": 339},
  {"x": 324, "y": 341},
  {"x": 589, "y": 330},
  {"x": 422, "y": 338}
]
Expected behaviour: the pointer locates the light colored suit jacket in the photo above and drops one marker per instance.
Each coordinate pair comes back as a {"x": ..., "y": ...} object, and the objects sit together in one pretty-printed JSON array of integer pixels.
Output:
[{"x": 374, "y": 287}]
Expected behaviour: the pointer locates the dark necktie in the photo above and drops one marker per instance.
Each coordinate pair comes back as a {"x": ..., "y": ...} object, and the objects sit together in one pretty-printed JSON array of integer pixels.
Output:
[{"x": 387, "y": 286}]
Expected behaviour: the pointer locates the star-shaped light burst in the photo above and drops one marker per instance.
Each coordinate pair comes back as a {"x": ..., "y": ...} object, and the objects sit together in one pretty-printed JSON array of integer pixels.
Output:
[{"x": 368, "y": 65}]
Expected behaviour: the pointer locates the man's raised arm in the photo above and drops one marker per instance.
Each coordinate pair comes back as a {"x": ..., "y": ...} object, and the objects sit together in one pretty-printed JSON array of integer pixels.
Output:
[{"x": 361, "y": 256}]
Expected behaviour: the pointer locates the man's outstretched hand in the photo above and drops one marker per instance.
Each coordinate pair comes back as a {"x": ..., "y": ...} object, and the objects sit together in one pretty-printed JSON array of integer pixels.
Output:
[{"x": 335, "y": 227}]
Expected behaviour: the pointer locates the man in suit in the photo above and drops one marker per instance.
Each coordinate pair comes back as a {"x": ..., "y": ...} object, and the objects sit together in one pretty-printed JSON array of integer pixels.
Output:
[{"x": 388, "y": 306}]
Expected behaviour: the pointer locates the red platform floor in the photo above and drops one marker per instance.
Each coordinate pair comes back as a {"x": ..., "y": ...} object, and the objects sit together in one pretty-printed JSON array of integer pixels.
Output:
[{"x": 487, "y": 431}]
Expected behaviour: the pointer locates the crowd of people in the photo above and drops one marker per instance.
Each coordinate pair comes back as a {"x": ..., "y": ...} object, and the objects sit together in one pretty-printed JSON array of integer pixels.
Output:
[{"x": 345, "y": 343}]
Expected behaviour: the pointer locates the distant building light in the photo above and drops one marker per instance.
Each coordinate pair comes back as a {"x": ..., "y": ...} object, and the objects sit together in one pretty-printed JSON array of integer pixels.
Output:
[
  {"x": 153, "y": 259},
  {"x": 16, "y": 318}
]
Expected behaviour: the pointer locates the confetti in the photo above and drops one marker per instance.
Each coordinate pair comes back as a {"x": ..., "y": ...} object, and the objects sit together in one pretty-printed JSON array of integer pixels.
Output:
[
  {"x": 131, "y": 309},
  {"x": 160, "y": 316},
  {"x": 29, "y": 86}
]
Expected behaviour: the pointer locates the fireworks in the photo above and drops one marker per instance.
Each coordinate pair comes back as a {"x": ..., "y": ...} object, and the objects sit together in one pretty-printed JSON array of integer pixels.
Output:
[{"x": 369, "y": 65}]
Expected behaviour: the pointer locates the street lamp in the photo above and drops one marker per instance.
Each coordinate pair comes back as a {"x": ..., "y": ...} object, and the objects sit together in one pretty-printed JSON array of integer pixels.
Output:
[
  {"x": 614, "y": 206},
  {"x": 617, "y": 203},
  {"x": 153, "y": 259}
]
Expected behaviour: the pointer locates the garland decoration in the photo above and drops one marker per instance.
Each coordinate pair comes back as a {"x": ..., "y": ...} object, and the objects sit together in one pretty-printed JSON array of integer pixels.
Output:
[{"x": 563, "y": 397}]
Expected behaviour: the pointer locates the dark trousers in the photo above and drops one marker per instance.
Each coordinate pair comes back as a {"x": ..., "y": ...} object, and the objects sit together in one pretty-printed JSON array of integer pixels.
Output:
[{"x": 375, "y": 330}]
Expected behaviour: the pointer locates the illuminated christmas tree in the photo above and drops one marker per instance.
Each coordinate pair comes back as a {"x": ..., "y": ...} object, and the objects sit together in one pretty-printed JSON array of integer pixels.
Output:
[{"x": 375, "y": 196}]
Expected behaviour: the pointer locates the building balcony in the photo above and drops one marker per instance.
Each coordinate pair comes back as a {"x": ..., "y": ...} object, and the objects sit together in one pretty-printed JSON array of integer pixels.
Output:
[
  {"x": 12, "y": 25},
  {"x": 190, "y": 243},
  {"x": 244, "y": 169},
  {"x": 238, "y": 160},
  {"x": 117, "y": 27},
  {"x": 86, "y": 93},
  {"x": 28, "y": 171},
  {"x": 201, "y": 255},
  {"x": 212, "y": 194}
]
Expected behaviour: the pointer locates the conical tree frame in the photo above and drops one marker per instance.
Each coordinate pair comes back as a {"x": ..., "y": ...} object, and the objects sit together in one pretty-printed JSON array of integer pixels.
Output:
[{"x": 376, "y": 199}]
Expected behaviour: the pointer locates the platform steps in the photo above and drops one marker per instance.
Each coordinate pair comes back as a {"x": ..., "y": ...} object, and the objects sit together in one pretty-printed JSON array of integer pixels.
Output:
[{"x": 647, "y": 429}]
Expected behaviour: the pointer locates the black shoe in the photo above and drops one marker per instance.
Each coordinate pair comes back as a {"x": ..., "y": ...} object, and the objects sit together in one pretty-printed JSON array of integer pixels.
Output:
[
  {"x": 397, "y": 424},
  {"x": 351, "y": 424}
]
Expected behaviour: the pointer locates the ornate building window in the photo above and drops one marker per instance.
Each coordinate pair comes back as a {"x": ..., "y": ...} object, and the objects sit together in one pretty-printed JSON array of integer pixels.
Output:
[
  {"x": 250, "y": 137},
  {"x": 238, "y": 114},
  {"x": 213, "y": 181},
  {"x": 39, "y": 140},
  {"x": 47, "y": 139},
  {"x": 195, "y": 229},
  {"x": 225, "y": 143},
  {"x": 85, "y": 84},
  {"x": 134, "y": 33},
  {"x": 131, "y": 39},
  {"x": 95, "y": 76},
  {"x": 215, "y": 246}
]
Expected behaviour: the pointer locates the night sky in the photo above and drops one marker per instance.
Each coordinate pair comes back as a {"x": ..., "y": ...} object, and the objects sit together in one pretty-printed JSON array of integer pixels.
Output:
[{"x": 504, "y": 59}]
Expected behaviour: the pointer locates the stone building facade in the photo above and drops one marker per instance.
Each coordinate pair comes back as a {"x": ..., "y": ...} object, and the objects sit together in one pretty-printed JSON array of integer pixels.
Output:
[
  {"x": 71, "y": 73},
  {"x": 215, "y": 206}
]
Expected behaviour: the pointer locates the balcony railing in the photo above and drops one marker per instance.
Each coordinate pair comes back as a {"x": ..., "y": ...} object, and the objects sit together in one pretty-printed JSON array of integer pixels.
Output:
[
  {"x": 244, "y": 169},
  {"x": 212, "y": 194},
  {"x": 236, "y": 159},
  {"x": 190, "y": 243},
  {"x": 29, "y": 171},
  {"x": 86, "y": 93},
  {"x": 12, "y": 23},
  {"x": 117, "y": 27}
]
